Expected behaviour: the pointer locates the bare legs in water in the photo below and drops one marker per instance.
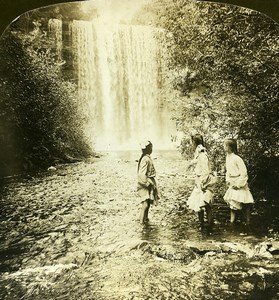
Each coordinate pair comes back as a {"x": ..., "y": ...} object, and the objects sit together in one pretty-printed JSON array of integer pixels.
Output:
[
  {"x": 246, "y": 209},
  {"x": 144, "y": 211}
]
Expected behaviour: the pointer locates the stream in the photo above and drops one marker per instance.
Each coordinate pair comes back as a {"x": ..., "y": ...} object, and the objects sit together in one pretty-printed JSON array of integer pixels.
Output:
[{"x": 72, "y": 232}]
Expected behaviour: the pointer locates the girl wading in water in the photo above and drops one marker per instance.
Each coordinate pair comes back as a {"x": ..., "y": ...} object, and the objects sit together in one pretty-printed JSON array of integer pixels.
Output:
[
  {"x": 202, "y": 194},
  {"x": 238, "y": 195},
  {"x": 147, "y": 187}
]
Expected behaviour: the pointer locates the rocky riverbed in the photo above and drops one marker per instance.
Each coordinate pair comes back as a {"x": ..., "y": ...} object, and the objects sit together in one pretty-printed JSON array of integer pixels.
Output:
[{"x": 73, "y": 233}]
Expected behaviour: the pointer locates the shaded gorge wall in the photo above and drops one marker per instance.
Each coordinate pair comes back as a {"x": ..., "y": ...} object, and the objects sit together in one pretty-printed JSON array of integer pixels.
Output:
[{"x": 121, "y": 78}]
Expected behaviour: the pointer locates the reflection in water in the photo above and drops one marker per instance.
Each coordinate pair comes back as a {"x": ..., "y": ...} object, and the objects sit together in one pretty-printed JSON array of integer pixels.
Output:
[
  {"x": 176, "y": 231},
  {"x": 183, "y": 226},
  {"x": 150, "y": 232},
  {"x": 88, "y": 212}
]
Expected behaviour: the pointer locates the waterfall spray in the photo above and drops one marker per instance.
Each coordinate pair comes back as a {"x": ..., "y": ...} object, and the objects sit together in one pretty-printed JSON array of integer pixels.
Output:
[{"x": 119, "y": 71}]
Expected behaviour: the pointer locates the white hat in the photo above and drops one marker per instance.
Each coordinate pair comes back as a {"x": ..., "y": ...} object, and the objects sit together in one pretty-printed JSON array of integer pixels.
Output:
[
  {"x": 201, "y": 148},
  {"x": 144, "y": 144}
]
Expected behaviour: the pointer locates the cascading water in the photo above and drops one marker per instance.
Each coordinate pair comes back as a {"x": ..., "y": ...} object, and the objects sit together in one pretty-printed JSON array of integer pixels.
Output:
[
  {"x": 55, "y": 31},
  {"x": 119, "y": 70}
]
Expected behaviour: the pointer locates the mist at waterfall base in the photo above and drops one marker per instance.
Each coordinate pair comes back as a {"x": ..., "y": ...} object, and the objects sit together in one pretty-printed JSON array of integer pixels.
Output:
[
  {"x": 120, "y": 71},
  {"x": 120, "y": 78}
]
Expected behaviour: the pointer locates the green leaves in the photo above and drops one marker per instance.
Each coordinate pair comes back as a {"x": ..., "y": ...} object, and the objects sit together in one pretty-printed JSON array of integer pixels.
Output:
[
  {"x": 41, "y": 114},
  {"x": 224, "y": 62}
]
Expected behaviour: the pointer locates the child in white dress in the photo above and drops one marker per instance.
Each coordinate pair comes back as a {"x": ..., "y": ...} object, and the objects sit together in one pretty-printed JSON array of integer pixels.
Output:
[
  {"x": 238, "y": 195},
  {"x": 202, "y": 195}
]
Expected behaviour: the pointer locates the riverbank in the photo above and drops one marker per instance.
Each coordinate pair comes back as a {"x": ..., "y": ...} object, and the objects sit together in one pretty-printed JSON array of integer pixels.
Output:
[{"x": 73, "y": 233}]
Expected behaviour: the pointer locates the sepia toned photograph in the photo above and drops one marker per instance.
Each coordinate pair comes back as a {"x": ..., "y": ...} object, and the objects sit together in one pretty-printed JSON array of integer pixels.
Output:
[{"x": 139, "y": 152}]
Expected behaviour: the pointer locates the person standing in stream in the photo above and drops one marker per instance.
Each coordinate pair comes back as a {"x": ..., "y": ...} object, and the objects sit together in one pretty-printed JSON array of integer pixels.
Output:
[
  {"x": 201, "y": 197},
  {"x": 147, "y": 186},
  {"x": 238, "y": 195}
]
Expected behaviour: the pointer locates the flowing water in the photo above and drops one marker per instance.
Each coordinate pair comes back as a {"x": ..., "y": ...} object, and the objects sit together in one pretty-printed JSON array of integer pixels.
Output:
[
  {"x": 74, "y": 233},
  {"x": 122, "y": 81}
]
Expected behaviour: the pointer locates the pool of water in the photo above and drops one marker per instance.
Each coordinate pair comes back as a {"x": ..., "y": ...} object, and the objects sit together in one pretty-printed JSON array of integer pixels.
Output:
[
  {"x": 182, "y": 225},
  {"x": 134, "y": 155}
]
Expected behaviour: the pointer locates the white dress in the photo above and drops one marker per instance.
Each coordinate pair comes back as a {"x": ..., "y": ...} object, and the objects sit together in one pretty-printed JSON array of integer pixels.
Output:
[
  {"x": 199, "y": 198},
  {"x": 236, "y": 176}
]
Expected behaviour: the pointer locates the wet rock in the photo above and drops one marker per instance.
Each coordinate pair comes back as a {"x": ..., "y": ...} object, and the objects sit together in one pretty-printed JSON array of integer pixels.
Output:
[
  {"x": 210, "y": 253},
  {"x": 41, "y": 270},
  {"x": 262, "y": 250},
  {"x": 138, "y": 245},
  {"x": 203, "y": 248},
  {"x": 274, "y": 249},
  {"x": 259, "y": 271},
  {"x": 259, "y": 250},
  {"x": 246, "y": 286},
  {"x": 239, "y": 274},
  {"x": 224, "y": 286},
  {"x": 51, "y": 168},
  {"x": 170, "y": 253},
  {"x": 142, "y": 245},
  {"x": 77, "y": 258}
]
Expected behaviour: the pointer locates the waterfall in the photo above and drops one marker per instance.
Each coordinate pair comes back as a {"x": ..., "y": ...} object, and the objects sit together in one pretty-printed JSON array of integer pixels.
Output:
[
  {"x": 120, "y": 83},
  {"x": 55, "y": 31}
]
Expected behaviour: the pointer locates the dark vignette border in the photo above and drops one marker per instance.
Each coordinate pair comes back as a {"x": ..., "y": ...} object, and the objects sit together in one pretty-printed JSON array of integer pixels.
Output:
[{"x": 10, "y": 10}]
